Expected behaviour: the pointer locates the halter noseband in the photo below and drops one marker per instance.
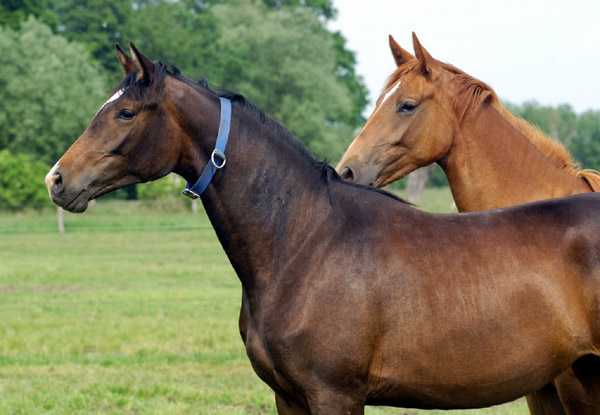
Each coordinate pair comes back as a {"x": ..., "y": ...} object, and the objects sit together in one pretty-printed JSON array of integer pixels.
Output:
[{"x": 217, "y": 158}]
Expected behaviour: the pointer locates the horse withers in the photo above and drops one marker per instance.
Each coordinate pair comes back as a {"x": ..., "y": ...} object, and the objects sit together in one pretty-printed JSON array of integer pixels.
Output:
[{"x": 351, "y": 297}]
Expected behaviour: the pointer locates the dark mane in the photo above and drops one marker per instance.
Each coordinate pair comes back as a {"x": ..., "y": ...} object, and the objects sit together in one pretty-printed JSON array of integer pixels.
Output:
[{"x": 143, "y": 92}]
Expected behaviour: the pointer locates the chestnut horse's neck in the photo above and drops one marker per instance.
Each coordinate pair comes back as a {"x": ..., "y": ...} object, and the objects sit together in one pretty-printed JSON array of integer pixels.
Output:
[{"x": 492, "y": 164}]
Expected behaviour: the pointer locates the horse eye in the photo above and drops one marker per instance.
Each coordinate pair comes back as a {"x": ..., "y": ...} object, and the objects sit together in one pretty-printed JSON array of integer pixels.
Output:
[
  {"x": 126, "y": 114},
  {"x": 407, "y": 107}
]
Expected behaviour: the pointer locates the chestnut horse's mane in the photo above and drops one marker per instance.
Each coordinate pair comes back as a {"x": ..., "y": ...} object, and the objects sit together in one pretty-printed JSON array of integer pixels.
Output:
[{"x": 472, "y": 94}]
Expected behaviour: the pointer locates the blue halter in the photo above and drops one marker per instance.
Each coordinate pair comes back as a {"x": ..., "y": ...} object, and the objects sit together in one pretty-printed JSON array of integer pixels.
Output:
[{"x": 217, "y": 158}]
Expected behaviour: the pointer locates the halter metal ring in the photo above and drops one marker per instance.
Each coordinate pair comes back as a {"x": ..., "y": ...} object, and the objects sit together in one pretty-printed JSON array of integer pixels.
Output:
[{"x": 220, "y": 156}]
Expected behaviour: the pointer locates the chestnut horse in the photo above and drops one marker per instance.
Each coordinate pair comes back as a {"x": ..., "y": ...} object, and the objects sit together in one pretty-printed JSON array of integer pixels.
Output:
[
  {"x": 433, "y": 112},
  {"x": 349, "y": 296}
]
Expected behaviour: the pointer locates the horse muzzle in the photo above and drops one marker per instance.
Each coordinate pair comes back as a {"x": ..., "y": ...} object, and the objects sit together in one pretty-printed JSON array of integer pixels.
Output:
[{"x": 73, "y": 200}]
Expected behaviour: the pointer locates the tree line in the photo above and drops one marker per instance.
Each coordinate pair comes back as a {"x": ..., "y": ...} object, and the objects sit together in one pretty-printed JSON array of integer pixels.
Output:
[{"x": 58, "y": 64}]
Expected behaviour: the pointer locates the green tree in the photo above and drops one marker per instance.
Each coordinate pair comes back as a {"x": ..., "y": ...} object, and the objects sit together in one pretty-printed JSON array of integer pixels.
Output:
[
  {"x": 13, "y": 12},
  {"x": 564, "y": 124},
  {"x": 21, "y": 181},
  {"x": 322, "y": 8},
  {"x": 171, "y": 32},
  {"x": 538, "y": 115},
  {"x": 50, "y": 89},
  {"x": 346, "y": 64},
  {"x": 285, "y": 62},
  {"x": 586, "y": 143},
  {"x": 97, "y": 24}
]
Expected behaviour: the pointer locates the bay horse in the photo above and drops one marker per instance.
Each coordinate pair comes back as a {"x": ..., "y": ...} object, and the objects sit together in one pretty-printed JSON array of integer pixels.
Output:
[
  {"x": 351, "y": 297},
  {"x": 432, "y": 112}
]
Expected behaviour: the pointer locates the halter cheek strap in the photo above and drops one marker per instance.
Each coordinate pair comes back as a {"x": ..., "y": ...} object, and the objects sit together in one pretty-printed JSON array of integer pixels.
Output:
[{"x": 217, "y": 158}]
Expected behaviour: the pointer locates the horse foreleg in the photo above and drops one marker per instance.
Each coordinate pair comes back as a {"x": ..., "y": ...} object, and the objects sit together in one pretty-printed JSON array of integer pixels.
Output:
[
  {"x": 579, "y": 388},
  {"x": 289, "y": 407},
  {"x": 545, "y": 402},
  {"x": 336, "y": 403},
  {"x": 331, "y": 403}
]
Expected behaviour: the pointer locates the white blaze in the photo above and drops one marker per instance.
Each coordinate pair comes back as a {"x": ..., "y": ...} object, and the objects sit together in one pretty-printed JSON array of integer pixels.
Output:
[
  {"x": 385, "y": 97},
  {"x": 50, "y": 174},
  {"x": 391, "y": 92},
  {"x": 111, "y": 99}
]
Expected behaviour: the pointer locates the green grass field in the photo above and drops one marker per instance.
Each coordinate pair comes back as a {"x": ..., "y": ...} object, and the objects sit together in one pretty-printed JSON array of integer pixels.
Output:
[{"x": 132, "y": 311}]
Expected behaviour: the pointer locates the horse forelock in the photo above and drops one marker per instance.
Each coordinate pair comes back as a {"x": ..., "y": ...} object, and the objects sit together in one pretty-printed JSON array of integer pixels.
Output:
[{"x": 139, "y": 90}]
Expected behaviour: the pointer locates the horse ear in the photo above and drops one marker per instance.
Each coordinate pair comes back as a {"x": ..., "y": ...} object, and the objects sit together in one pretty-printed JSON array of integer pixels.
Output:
[
  {"x": 126, "y": 61},
  {"x": 429, "y": 66},
  {"x": 144, "y": 64},
  {"x": 400, "y": 55}
]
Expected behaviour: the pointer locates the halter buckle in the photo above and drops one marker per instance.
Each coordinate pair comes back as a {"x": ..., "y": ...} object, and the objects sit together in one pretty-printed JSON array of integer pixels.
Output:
[{"x": 190, "y": 193}]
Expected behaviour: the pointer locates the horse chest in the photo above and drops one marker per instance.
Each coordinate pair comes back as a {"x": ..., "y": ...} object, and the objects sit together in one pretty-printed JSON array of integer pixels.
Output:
[
  {"x": 256, "y": 347},
  {"x": 267, "y": 352}
]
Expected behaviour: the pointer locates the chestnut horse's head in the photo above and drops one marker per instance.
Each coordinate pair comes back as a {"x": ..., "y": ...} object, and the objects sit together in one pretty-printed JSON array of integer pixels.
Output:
[
  {"x": 413, "y": 123},
  {"x": 131, "y": 139}
]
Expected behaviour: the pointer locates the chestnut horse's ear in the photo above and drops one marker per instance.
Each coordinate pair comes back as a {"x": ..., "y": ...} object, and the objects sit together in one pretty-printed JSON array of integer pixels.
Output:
[
  {"x": 400, "y": 55},
  {"x": 144, "y": 64},
  {"x": 126, "y": 61},
  {"x": 429, "y": 66}
]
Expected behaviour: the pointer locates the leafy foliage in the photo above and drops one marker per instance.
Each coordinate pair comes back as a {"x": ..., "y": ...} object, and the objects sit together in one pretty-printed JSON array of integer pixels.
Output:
[
  {"x": 97, "y": 24},
  {"x": 13, "y": 12},
  {"x": 586, "y": 144},
  {"x": 187, "y": 38},
  {"x": 168, "y": 187},
  {"x": 50, "y": 89},
  {"x": 291, "y": 74},
  {"x": 21, "y": 181},
  {"x": 322, "y": 8}
]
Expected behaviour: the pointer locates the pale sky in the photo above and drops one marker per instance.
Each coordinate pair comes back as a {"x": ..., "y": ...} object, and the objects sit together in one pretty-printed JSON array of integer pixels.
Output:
[{"x": 548, "y": 51}]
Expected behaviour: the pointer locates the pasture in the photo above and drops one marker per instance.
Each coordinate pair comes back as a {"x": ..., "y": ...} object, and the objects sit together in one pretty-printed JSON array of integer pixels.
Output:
[{"x": 132, "y": 311}]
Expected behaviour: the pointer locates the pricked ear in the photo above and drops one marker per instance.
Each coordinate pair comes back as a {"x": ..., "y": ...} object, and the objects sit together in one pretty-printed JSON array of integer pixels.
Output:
[
  {"x": 144, "y": 64},
  {"x": 429, "y": 66},
  {"x": 400, "y": 55},
  {"x": 126, "y": 61}
]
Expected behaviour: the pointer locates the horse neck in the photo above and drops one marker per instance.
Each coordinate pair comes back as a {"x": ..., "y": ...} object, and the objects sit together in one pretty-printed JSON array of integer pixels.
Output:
[
  {"x": 491, "y": 165},
  {"x": 265, "y": 201}
]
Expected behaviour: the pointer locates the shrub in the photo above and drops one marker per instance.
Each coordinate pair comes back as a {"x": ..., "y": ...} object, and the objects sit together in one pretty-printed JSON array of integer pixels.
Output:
[{"x": 22, "y": 182}]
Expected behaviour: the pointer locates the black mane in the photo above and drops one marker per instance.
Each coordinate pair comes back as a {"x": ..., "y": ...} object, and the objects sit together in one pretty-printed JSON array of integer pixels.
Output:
[{"x": 142, "y": 92}]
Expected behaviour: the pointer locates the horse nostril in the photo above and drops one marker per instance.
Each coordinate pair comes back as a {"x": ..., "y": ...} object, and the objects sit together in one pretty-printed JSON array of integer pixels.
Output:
[
  {"x": 54, "y": 182},
  {"x": 347, "y": 173}
]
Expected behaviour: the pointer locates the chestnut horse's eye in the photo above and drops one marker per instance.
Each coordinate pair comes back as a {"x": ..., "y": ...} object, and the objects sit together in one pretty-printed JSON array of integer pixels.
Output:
[
  {"x": 126, "y": 114},
  {"x": 407, "y": 107}
]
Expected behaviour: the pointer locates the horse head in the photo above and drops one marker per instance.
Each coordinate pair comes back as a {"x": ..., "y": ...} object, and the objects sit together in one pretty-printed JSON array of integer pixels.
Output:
[
  {"x": 134, "y": 137},
  {"x": 412, "y": 124}
]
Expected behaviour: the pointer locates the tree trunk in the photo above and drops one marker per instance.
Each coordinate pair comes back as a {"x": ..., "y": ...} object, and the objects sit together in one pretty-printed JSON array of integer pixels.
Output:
[
  {"x": 60, "y": 218},
  {"x": 416, "y": 182}
]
